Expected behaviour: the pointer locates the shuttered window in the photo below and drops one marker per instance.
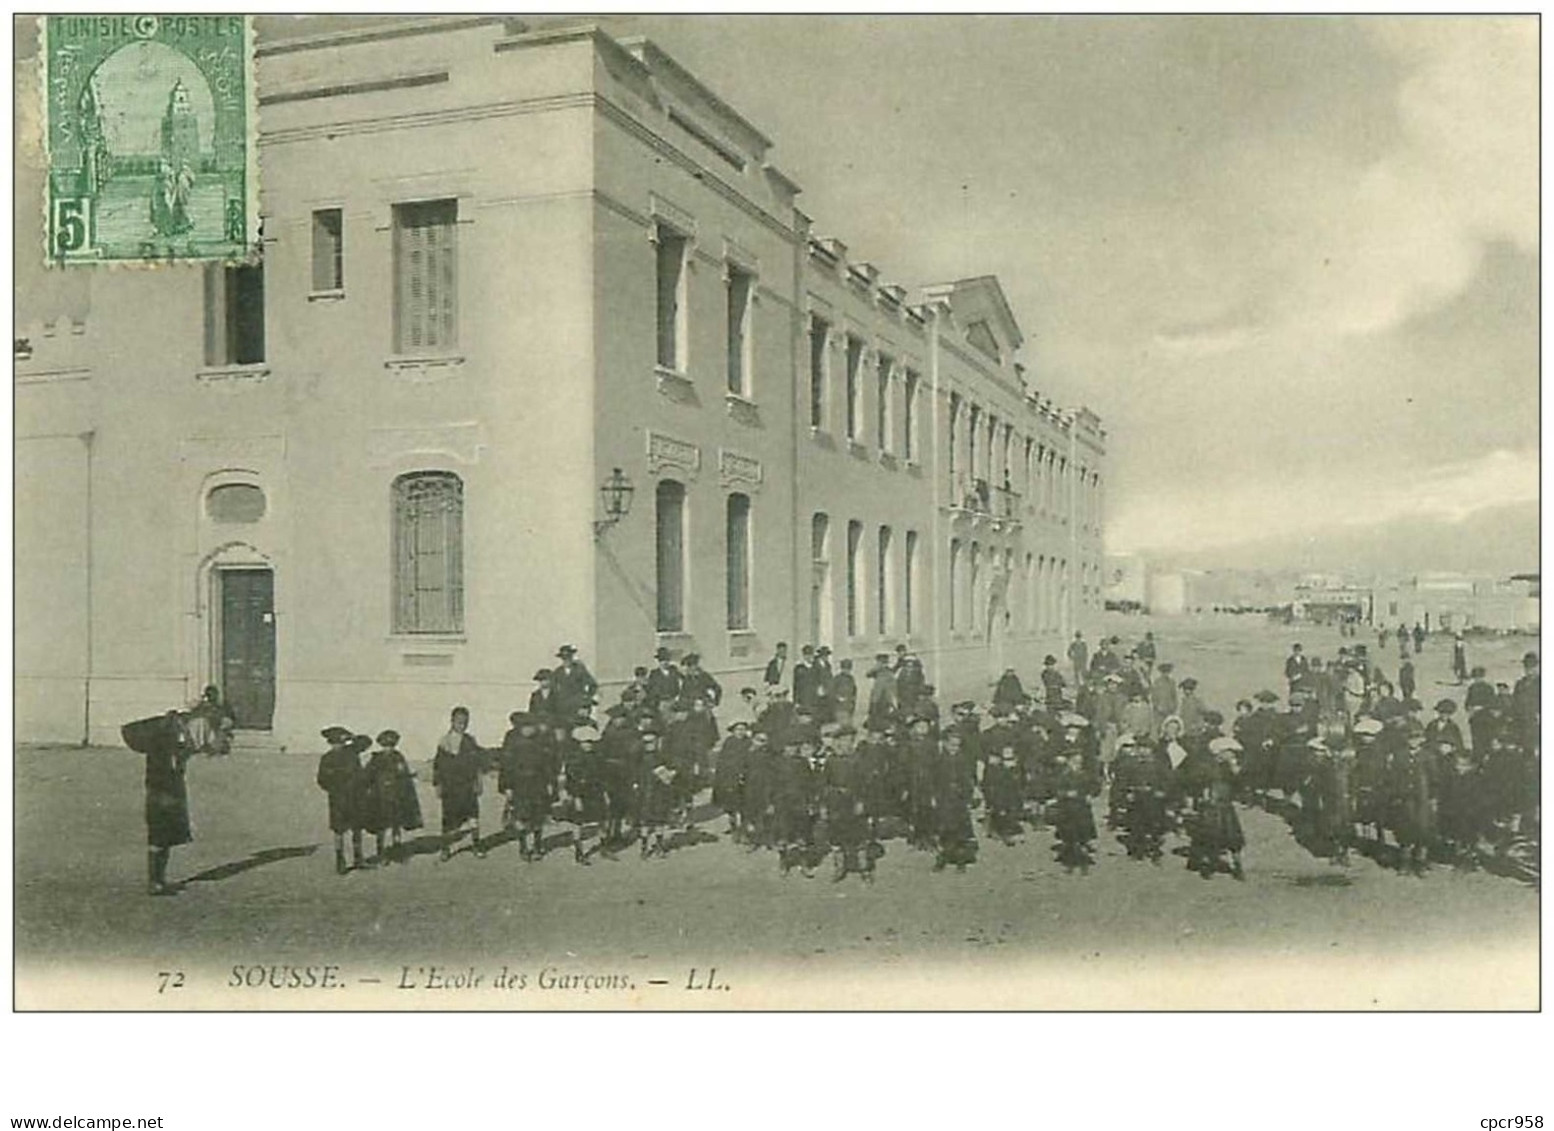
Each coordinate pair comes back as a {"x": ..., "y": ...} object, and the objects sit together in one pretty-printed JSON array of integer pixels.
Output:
[
  {"x": 429, "y": 552},
  {"x": 426, "y": 276}
]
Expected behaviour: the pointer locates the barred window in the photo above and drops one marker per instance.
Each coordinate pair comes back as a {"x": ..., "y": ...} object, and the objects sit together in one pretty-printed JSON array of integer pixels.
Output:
[
  {"x": 429, "y": 552},
  {"x": 426, "y": 276}
]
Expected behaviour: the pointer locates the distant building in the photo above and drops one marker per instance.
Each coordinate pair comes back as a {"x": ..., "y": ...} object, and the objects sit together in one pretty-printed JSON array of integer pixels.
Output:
[
  {"x": 180, "y": 129},
  {"x": 1449, "y": 602}
]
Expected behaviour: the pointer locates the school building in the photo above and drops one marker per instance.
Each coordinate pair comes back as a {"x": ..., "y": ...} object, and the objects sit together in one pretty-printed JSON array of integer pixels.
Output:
[{"x": 542, "y": 350}]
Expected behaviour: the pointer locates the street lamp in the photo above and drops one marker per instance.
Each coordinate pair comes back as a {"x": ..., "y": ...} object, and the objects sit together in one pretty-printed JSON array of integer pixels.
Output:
[{"x": 616, "y": 495}]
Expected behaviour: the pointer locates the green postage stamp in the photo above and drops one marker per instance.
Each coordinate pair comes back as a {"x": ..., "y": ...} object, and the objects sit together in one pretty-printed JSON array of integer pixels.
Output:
[{"x": 149, "y": 129}]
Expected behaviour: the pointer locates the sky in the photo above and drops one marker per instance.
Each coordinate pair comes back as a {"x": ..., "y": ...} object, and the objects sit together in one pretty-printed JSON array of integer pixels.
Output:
[{"x": 1291, "y": 261}]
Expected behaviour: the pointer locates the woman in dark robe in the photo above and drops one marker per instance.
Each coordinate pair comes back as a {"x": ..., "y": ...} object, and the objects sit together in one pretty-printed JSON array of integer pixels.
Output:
[
  {"x": 389, "y": 802},
  {"x": 1215, "y": 829},
  {"x": 167, "y": 747}
]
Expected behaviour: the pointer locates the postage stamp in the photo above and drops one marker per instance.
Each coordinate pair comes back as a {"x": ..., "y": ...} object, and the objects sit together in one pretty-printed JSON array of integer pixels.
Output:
[{"x": 149, "y": 127}]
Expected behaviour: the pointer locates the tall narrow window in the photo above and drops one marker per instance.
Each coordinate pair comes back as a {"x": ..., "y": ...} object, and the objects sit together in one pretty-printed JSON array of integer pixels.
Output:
[
  {"x": 882, "y": 406},
  {"x": 954, "y": 459},
  {"x": 819, "y": 340},
  {"x": 854, "y": 387},
  {"x": 974, "y": 589},
  {"x": 234, "y": 315},
  {"x": 739, "y": 561},
  {"x": 973, "y": 426},
  {"x": 956, "y": 567},
  {"x": 909, "y": 586},
  {"x": 854, "y": 597},
  {"x": 670, "y": 498},
  {"x": 1030, "y": 592},
  {"x": 883, "y": 586},
  {"x": 671, "y": 298},
  {"x": 741, "y": 285},
  {"x": 429, "y": 552},
  {"x": 909, "y": 418},
  {"x": 328, "y": 250},
  {"x": 426, "y": 276}
]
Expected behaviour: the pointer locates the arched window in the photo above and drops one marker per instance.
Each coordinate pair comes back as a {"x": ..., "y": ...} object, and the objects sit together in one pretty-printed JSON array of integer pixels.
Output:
[
  {"x": 1030, "y": 592},
  {"x": 909, "y": 588},
  {"x": 429, "y": 552},
  {"x": 738, "y": 546},
  {"x": 670, "y": 499},
  {"x": 854, "y": 596},
  {"x": 235, "y": 503}
]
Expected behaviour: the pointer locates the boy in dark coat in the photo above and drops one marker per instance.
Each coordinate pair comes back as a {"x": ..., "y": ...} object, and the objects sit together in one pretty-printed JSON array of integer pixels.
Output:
[
  {"x": 1072, "y": 820},
  {"x": 728, "y": 776},
  {"x": 951, "y": 784},
  {"x": 656, "y": 796},
  {"x": 842, "y": 803},
  {"x": 525, "y": 778},
  {"x": 340, "y": 776},
  {"x": 795, "y": 796},
  {"x": 456, "y": 770},
  {"x": 389, "y": 800}
]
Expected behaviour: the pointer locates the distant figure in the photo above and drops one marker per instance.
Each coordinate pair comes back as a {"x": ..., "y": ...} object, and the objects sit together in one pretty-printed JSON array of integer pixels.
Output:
[
  {"x": 1459, "y": 658},
  {"x": 1419, "y": 637},
  {"x": 1079, "y": 657},
  {"x": 1009, "y": 693},
  {"x": 1052, "y": 683},
  {"x": 1406, "y": 681},
  {"x": 1145, "y": 651}
]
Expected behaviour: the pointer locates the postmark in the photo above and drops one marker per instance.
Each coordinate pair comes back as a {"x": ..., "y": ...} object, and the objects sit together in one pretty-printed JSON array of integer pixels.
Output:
[{"x": 150, "y": 138}]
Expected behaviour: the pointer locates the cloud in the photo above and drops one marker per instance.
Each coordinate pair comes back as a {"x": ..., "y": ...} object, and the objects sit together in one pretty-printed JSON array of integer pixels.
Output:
[
  {"x": 1366, "y": 245},
  {"x": 1232, "y": 513}
]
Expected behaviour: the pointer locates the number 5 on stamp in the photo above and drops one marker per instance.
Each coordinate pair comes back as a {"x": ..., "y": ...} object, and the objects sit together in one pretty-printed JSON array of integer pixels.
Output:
[{"x": 149, "y": 128}]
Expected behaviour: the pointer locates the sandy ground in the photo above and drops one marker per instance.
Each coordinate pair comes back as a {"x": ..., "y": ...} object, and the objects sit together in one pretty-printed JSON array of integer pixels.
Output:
[{"x": 259, "y": 891}]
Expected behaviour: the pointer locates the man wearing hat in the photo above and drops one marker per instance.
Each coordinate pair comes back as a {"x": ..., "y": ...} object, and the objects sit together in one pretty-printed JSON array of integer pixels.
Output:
[
  {"x": 844, "y": 693},
  {"x": 698, "y": 683},
  {"x": 663, "y": 682},
  {"x": 806, "y": 681},
  {"x": 1481, "y": 693},
  {"x": 825, "y": 704},
  {"x": 1145, "y": 651},
  {"x": 542, "y": 700},
  {"x": 1052, "y": 683},
  {"x": 777, "y": 666},
  {"x": 1443, "y": 737},
  {"x": 340, "y": 777},
  {"x": 575, "y": 687},
  {"x": 882, "y": 691},
  {"x": 911, "y": 683}
]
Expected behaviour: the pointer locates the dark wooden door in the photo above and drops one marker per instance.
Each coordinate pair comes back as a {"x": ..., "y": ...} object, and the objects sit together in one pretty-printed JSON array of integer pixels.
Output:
[{"x": 248, "y": 645}]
